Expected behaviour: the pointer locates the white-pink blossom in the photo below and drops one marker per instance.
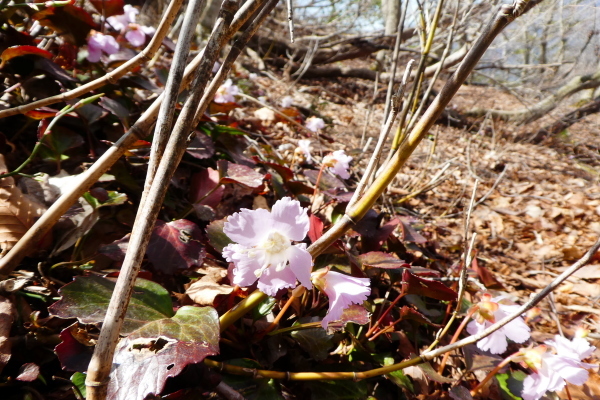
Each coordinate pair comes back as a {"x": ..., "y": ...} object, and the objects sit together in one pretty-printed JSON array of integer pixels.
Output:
[
  {"x": 303, "y": 150},
  {"x": 135, "y": 33},
  {"x": 314, "y": 124},
  {"x": 226, "y": 92},
  {"x": 98, "y": 43},
  {"x": 491, "y": 310},
  {"x": 552, "y": 371},
  {"x": 287, "y": 102},
  {"x": 120, "y": 22},
  {"x": 264, "y": 251},
  {"x": 338, "y": 163},
  {"x": 342, "y": 291}
]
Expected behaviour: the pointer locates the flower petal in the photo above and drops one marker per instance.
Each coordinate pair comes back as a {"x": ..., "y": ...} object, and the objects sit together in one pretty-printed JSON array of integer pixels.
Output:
[
  {"x": 517, "y": 330},
  {"x": 249, "y": 227},
  {"x": 246, "y": 264},
  {"x": 343, "y": 290},
  {"x": 136, "y": 37},
  {"x": 290, "y": 219},
  {"x": 300, "y": 263},
  {"x": 272, "y": 280}
]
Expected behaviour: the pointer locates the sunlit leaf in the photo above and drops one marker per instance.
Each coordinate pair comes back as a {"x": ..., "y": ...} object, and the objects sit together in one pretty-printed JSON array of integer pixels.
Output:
[
  {"x": 162, "y": 349},
  {"x": 87, "y": 298},
  {"x": 216, "y": 237},
  {"x": 412, "y": 284},
  {"x": 316, "y": 342},
  {"x": 17, "y": 51},
  {"x": 240, "y": 174},
  {"x": 175, "y": 245},
  {"x": 379, "y": 259},
  {"x": 75, "y": 349},
  {"x": 108, "y": 8}
]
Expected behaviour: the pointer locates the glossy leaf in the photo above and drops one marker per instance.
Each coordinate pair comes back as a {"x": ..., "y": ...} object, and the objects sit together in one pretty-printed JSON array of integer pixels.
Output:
[
  {"x": 201, "y": 147},
  {"x": 412, "y": 284},
  {"x": 162, "y": 349},
  {"x": 216, "y": 237},
  {"x": 75, "y": 349},
  {"x": 356, "y": 313},
  {"x": 205, "y": 188},
  {"x": 175, "y": 245},
  {"x": 410, "y": 234},
  {"x": 108, "y": 8},
  {"x": 316, "y": 228},
  {"x": 326, "y": 182},
  {"x": 240, "y": 174},
  {"x": 87, "y": 298},
  {"x": 18, "y": 51}
]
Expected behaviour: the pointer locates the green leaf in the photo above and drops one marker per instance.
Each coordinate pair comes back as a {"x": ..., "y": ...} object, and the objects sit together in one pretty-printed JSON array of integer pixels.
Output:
[
  {"x": 511, "y": 383},
  {"x": 189, "y": 324},
  {"x": 264, "y": 308},
  {"x": 78, "y": 379},
  {"x": 87, "y": 298},
  {"x": 315, "y": 341},
  {"x": 216, "y": 237}
]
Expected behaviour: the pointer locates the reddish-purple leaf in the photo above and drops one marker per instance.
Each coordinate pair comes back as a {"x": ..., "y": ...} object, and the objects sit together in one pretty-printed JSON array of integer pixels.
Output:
[
  {"x": 372, "y": 234},
  {"x": 379, "y": 259},
  {"x": 409, "y": 234},
  {"x": 28, "y": 372},
  {"x": 175, "y": 245},
  {"x": 326, "y": 182},
  {"x": 285, "y": 172},
  {"x": 201, "y": 146},
  {"x": 489, "y": 281},
  {"x": 6, "y": 321},
  {"x": 298, "y": 188},
  {"x": 17, "y": 51},
  {"x": 339, "y": 195},
  {"x": 162, "y": 349},
  {"x": 117, "y": 249},
  {"x": 75, "y": 350},
  {"x": 407, "y": 312},
  {"x": 412, "y": 284},
  {"x": 240, "y": 174},
  {"x": 316, "y": 228},
  {"x": 69, "y": 20},
  {"x": 108, "y": 8},
  {"x": 202, "y": 184},
  {"x": 355, "y": 313}
]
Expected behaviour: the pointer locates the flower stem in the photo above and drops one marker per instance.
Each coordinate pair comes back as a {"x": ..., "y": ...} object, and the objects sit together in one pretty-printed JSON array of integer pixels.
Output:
[
  {"x": 461, "y": 327},
  {"x": 493, "y": 372}
]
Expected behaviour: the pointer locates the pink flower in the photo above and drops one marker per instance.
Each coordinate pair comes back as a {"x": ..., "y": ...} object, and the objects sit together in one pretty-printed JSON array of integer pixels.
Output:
[
  {"x": 314, "y": 124},
  {"x": 226, "y": 92},
  {"x": 264, "y": 251},
  {"x": 342, "y": 290},
  {"x": 338, "y": 163},
  {"x": 491, "y": 310},
  {"x": 303, "y": 150},
  {"x": 98, "y": 43},
  {"x": 120, "y": 22},
  {"x": 136, "y": 34},
  {"x": 552, "y": 371}
]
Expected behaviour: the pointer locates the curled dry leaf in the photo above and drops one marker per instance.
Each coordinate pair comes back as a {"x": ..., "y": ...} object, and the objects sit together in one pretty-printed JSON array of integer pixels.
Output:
[
  {"x": 17, "y": 211},
  {"x": 6, "y": 320},
  {"x": 205, "y": 290}
]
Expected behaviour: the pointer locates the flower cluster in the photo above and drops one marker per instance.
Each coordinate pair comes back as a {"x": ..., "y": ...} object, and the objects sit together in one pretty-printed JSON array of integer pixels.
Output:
[
  {"x": 553, "y": 370},
  {"x": 488, "y": 311},
  {"x": 263, "y": 251},
  {"x": 135, "y": 34}
]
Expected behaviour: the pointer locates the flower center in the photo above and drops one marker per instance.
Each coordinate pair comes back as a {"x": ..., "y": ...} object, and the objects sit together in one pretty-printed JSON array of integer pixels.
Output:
[
  {"x": 275, "y": 243},
  {"x": 274, "y": 247}
]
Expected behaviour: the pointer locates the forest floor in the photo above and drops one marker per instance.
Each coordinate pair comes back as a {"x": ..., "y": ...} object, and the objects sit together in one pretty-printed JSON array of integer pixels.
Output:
[{"x": 537, "y": 205}]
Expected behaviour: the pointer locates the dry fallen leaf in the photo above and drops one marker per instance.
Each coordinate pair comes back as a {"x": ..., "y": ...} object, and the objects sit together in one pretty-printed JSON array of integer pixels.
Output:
[
  {"x": 205, "y": 290},
  {"x": 6, "y": 320},
  {"x": 17, "y": 211}
]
